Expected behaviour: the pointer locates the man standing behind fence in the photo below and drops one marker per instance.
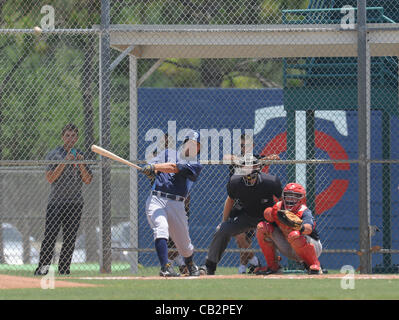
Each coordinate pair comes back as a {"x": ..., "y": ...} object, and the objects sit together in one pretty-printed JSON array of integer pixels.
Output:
[{"x": 65, "y": 203}]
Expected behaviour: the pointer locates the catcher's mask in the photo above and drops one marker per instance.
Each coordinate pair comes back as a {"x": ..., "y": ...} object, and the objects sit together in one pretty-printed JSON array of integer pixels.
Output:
[
  {"x": 249, "y": 168},
  {"x": 294, "y": 195}
]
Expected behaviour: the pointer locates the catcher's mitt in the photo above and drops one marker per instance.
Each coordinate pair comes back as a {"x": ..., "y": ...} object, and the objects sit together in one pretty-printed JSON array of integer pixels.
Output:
[{"x": 289, "y": 219}]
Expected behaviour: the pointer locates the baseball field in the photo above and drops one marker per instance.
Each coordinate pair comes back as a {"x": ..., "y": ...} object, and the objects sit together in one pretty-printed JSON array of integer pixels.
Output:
[
  {"x": 139, "y": 135},
  {"x": 224, "y": 286}
]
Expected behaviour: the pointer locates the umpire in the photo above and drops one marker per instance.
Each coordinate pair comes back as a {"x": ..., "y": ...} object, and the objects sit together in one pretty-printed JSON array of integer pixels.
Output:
[
  {"x": 256, "y": 191},
  {"x": 65, "y": 203},
  {"x": 244, "y": 240}
]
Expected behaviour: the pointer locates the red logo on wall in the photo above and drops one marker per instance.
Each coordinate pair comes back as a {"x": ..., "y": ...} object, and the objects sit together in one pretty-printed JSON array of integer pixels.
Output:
[{"x": 329, "y": 197}]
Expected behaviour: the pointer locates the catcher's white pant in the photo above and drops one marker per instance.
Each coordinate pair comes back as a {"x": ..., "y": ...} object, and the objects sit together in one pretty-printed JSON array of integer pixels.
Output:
[
  {"x": 285, "y": 248},
  {"x": 168, "y": 218}
]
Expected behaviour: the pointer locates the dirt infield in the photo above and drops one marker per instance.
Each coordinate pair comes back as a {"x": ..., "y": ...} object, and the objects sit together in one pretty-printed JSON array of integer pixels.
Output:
[
  {"x": 14, "y": 282},
  {"x": 243, "y": 276}
]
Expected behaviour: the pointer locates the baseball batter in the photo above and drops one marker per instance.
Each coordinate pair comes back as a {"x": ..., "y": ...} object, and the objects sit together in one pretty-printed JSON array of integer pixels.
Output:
[
  {"x": 174, "y": 174},
  {"x": 300, "y": 243}
]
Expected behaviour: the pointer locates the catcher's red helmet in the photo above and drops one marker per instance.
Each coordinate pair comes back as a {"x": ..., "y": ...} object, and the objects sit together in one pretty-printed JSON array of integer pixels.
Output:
[{"x": 294, "y": 195}]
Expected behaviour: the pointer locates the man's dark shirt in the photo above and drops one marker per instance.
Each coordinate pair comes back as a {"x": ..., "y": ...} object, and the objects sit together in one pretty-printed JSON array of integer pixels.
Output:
[
  {"x": 255, "y": 199},
  {"x": 68, "y": 186}
]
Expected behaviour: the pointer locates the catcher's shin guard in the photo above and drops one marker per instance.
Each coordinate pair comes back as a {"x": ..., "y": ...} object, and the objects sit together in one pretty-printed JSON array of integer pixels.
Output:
[
  {"x": 304, "y": 250},
  {"x": 263, "y": 234}
]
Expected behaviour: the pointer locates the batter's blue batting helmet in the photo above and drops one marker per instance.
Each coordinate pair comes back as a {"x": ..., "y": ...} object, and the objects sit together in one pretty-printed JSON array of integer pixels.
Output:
[{"x": 193, "y": 135}]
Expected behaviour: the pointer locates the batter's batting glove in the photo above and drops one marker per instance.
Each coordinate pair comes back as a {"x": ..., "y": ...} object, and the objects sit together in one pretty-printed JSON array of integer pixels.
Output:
[{"x": 149, "y": 171}]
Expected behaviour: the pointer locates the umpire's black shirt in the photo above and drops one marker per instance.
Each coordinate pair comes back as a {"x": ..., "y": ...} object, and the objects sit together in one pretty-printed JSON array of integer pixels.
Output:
[{"x": 255, "y": 199}]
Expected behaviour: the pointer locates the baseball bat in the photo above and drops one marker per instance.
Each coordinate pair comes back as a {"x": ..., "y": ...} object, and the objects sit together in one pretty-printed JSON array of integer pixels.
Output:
[{"x": 105, "y": 153}]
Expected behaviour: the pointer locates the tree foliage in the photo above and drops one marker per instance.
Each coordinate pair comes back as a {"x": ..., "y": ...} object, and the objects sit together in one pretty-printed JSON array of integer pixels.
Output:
[{"x": 49, "y": 80}]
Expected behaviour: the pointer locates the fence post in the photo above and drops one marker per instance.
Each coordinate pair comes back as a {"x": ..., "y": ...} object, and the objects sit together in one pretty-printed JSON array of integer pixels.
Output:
[
  {"x": 133, "y": 186},
  {"x": 364, "y": 96},
  {"x": 386, "y": 190},
  {"x": 310, "y": 154},
  {"x": 105, "y": 140}
]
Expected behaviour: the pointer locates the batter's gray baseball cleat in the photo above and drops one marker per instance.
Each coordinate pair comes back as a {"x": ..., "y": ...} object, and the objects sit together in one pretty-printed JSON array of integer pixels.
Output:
[
  {"x": 183, "y": 269},
  {"x": 193, "y": 270},
  {"x": 168, "y": 271}
]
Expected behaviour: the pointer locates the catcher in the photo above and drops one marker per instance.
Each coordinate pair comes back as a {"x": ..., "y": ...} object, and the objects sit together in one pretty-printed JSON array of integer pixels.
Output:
[{"x": 289, "y": 227}]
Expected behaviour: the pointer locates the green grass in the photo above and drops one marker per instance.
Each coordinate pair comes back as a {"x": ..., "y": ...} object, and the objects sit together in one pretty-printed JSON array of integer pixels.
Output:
[
  {"x": 77, "y": 269},
  {"x": 219, "y": 289},
  {"x": 93, "y": 270},
  {"x": 249, "y": 288}
]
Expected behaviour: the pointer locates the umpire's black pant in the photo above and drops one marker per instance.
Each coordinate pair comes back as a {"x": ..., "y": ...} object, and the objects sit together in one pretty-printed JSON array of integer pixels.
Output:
[
  {"x": 222, "y": 237},
  {"x": 66, "y": 216}
]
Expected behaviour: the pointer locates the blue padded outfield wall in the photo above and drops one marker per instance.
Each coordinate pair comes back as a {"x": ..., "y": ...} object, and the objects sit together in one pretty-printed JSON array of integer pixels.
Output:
[{"x": 236, "y": 109}]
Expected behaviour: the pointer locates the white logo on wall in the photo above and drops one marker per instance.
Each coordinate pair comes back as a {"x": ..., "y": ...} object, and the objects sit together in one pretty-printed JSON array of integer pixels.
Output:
[
  {"x": 48, "y": 20},
  {"x": 348, "y": 281},
  {"x": 230, "y": 139},
  {"x": 337, "y": 117}
]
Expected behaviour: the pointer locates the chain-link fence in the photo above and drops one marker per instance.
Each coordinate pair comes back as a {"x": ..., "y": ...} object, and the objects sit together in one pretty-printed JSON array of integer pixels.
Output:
[{"x": 314, "y": 80}]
